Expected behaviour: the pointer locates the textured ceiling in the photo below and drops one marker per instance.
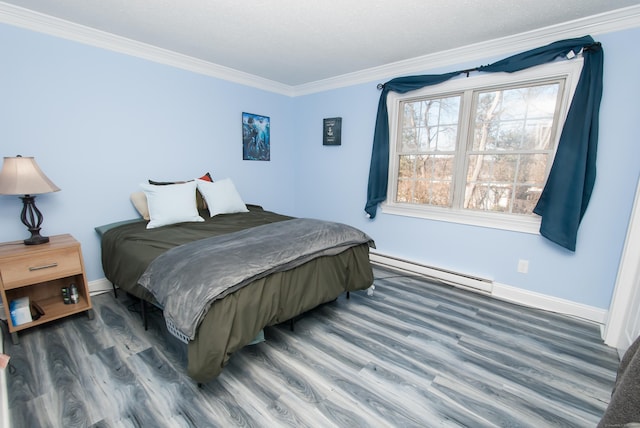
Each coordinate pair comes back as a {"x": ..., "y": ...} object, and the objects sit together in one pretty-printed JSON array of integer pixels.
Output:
[{"x": 294, "y": 42}]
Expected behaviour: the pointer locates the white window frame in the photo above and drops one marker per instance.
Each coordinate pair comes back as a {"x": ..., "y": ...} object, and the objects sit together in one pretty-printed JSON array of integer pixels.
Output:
[{"x": 569, "y": 70}]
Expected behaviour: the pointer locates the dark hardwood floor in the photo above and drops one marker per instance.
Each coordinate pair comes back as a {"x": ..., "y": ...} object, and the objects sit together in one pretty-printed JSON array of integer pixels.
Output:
[{"x": 414, "y": 354}]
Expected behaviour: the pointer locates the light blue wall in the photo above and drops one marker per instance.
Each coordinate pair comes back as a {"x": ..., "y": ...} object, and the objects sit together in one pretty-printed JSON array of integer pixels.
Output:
[
  {"x": 100, "y": 122},
  {"x": 332, "y": 182}
]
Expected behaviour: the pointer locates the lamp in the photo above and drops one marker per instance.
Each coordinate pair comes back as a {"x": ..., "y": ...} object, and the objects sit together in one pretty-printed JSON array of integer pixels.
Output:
[{"x": 22, "y": 176}]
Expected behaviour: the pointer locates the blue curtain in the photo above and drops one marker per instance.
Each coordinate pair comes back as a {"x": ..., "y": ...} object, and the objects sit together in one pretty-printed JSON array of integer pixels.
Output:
[{"x": 568, "y": 189}]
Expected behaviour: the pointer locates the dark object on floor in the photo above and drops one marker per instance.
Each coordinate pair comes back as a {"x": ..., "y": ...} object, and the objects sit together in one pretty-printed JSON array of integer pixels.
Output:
[{"x": 624, "y": 407}]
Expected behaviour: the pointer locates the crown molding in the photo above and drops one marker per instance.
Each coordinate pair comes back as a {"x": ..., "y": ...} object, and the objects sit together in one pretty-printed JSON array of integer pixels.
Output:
[
  {"x": 616, "y": 20},
  {"x": 35, "y": 21}
]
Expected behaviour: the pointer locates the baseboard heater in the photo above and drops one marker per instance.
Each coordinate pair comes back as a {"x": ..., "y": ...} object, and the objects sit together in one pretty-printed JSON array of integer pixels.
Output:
[{"x": 456, "y": 279}]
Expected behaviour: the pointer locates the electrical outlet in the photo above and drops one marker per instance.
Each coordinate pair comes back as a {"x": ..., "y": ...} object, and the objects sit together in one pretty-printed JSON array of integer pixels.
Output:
[{"x": 523, "y": 266}]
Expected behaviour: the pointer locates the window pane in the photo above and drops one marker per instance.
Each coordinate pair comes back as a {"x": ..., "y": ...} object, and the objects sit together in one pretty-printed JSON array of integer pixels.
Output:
[
  {"x": 505, "y": 168},
  {"x": 425, "y": 179},
  {"x": 404, "y": 191},
  {"x": 430, "y": 125},
  {"x": 489, "y": 197},
  {"x": 533, "y": 169},
  {"x": 411, "y": 116},
  {"x": 526, "y": 198},
  {"x": 449, "y": 110},
  {"x": 442, "y": 167},
  {"x": 421, "y": 194},
  {"x": 423, "y": 167},
  {"x": 480, "y": 168},
  {"x": 431, "y": 109},
  {"x": 407, "y": 166},
  {"x": 514, "y": 105},
  {"x": 509, "y": 135},
  {"x": 492, "y": 168},
  {"x": 542, "y": 100},
  {"x": 517, "y": 118},
  {"x": 446, "y": 139},
  {"x": 441, "y": 193},
  {"x": 409, "y": 140},
  {"x": 428, "y": 139},
  {"x": 432, "y": 193},
  {"x": 537, "y": 135}
]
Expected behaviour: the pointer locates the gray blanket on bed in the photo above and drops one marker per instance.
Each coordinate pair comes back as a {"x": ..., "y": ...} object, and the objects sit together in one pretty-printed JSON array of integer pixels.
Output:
[{"x": 187, "y": 279}]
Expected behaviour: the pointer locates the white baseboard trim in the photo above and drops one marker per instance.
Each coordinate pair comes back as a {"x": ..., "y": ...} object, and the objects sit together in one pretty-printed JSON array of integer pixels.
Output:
[
  {"x": 100, "y": 286},
  {"x": 496, "y": 290},
  {"x": 458, "y": 279},
  {"x": 549, "y": 303}
]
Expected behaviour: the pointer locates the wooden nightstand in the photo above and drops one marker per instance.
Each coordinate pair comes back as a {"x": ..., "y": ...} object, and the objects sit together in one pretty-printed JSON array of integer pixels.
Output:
[{"x": 40, "y": 272}]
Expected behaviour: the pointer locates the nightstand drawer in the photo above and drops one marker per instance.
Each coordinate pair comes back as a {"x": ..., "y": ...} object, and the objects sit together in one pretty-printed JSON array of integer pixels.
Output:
[{"x": 25, "y": 270}]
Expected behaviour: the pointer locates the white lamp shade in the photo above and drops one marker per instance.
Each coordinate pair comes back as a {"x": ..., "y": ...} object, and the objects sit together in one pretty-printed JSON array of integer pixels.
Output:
[{"x": 22, "y": 176}]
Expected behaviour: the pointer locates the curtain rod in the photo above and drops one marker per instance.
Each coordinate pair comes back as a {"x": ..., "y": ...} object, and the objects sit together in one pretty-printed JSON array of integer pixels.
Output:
[
  {"x": 590, "y": 47},
  {"x": 380, "y": 86}
]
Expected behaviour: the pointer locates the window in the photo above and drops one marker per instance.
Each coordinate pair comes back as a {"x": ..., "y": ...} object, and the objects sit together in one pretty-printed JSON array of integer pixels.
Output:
[{"x": 477, "y": 150}]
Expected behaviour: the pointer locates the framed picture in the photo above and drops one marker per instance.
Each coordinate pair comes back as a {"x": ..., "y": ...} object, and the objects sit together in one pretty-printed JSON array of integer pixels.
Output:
[
  {"x": 331, "y": 131},
  {"x": 256, "y": 141}
]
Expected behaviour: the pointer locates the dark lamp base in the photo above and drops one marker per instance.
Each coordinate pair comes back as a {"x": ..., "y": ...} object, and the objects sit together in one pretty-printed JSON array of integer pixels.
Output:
[
  {"x": 32, "y": 218},
  {"x": 36, "y": 239}
]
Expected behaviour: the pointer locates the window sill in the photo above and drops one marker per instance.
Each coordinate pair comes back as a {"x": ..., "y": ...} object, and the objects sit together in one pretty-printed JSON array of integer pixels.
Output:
[{"x": 514, "y": 223}]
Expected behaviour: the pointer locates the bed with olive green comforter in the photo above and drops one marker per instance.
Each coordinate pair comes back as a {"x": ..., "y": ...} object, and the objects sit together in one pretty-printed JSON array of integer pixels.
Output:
[{"x": 233, "y": 318}]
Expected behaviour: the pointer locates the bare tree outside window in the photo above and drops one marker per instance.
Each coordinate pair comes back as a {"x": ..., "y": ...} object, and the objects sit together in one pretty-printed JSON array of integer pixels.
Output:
[
  {"x": 427, "y": 150},
  {"x": 504, "y": 160},
  {"x": 477, "y": 149},
  {"x": 507, "y": 161}
]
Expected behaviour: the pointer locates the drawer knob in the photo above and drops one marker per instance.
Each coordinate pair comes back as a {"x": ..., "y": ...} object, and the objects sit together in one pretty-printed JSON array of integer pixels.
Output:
[{"x": 51, "y": 265}]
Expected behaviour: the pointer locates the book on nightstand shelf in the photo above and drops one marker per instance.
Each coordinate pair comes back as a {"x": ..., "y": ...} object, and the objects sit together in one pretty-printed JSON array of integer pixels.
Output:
[{"x": 20, "y": 311}]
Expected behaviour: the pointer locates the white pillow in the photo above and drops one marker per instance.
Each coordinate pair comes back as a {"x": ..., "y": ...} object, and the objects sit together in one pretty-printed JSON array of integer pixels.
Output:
[
  {"x": 222, "y": 197},
  {"x": 171, "y": 203}
]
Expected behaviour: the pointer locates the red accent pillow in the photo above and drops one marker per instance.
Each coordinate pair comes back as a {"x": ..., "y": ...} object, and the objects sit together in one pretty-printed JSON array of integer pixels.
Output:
[{"x": 207, "y": 177}]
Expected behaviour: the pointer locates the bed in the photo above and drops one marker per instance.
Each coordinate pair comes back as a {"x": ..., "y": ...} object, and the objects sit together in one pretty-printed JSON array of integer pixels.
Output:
[{"x": 142, "y": 261}]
